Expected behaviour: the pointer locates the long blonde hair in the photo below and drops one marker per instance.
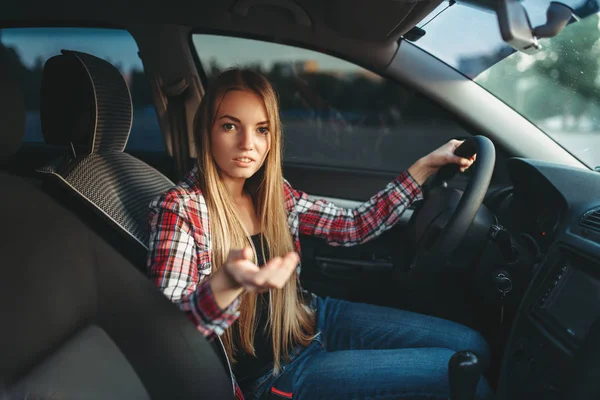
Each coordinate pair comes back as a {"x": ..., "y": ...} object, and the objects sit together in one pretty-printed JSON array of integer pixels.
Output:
[{"x": 290, "y": 323}]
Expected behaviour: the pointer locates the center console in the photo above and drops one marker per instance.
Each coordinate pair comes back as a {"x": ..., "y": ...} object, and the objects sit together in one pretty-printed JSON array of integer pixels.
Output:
[{"x": 555, "y": 316}]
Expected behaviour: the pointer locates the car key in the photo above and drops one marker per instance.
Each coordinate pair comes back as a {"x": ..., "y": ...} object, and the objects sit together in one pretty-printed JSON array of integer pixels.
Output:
[
  {"x": 501, "y": 311},
  {"x": 504, "y": 286}
]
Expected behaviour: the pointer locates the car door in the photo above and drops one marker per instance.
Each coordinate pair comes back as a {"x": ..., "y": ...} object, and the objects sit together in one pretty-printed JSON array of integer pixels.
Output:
[{"x": 347, "y": 133}]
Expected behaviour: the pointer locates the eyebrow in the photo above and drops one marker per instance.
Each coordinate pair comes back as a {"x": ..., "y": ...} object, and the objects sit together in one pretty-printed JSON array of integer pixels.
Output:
[
  {"x": 239, "y": 122},
  {"x": 231, "y": 118}
]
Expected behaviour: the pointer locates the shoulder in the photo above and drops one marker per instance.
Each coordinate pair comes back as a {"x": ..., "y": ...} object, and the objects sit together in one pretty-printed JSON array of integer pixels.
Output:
[
  {"x": 289, "y": 195},
  {"x": 185, "y": 197}
]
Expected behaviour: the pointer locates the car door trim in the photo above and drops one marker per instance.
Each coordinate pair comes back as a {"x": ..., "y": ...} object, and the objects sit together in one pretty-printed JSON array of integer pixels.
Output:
[{"x": 352, "y": 204}]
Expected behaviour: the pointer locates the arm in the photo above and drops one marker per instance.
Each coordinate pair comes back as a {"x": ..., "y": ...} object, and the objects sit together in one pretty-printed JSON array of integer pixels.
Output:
[
  {"x": 179, "y": 265},
  {"x": 348, "y": 227}
]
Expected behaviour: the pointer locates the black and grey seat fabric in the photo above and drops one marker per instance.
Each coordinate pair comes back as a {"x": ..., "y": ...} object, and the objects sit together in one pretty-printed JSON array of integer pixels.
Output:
[
  {"x": 12, "y": 115},
  {"x": 86, "y": 106},
  {"x": 77, "y": 320}
]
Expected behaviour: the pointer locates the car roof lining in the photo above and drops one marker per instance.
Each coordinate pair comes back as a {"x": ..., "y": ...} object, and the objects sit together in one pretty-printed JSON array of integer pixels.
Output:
[{"x": 350, "y": 27}]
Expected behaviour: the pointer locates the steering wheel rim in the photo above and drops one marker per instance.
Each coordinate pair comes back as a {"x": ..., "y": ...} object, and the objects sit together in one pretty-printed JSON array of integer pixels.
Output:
[{"x": 433, "y": 258}]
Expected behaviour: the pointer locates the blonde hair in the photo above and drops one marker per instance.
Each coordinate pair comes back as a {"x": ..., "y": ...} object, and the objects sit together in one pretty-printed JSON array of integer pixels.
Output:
[{"x": 289, "y": 322}]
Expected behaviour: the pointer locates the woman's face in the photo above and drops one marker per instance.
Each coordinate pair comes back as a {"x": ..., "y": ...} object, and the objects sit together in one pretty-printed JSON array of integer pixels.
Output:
[{"x": 240, "y": 135}]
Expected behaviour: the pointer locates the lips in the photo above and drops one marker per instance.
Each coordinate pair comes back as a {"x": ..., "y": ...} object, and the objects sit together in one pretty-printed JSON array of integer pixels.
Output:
[
  {"x": 244, "y": 159},
  {"x": 244, "y": 162}
]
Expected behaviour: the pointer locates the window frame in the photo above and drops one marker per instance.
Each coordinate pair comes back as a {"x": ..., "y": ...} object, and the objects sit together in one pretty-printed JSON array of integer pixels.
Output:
[
  {"x": 100, "y": 26},
  {"x": 459, "y": 122}
]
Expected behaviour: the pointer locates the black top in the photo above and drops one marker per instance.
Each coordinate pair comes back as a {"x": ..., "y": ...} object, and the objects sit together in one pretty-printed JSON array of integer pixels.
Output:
[{"x": 248, "y": 368}]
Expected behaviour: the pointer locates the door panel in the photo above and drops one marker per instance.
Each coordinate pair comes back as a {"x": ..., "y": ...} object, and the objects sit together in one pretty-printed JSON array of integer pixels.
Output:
[{"x": 365, "y": 273}]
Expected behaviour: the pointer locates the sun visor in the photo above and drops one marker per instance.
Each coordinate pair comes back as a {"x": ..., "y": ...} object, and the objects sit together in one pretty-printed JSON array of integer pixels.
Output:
[{"x": 386, "y": 22}]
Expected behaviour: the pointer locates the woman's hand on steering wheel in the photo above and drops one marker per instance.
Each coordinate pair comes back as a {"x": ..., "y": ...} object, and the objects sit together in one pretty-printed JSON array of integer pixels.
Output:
[{"x": 432, "y": 162}]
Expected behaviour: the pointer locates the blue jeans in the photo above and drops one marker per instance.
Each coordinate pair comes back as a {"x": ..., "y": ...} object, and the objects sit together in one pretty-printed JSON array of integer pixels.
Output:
[{"x": 365, "y": 351}]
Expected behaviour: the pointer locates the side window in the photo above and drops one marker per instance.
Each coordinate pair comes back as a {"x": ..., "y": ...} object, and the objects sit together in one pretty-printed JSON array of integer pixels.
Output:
[
  {"x": 335, "y": 113},
  {"x": 27, "y": 49}
]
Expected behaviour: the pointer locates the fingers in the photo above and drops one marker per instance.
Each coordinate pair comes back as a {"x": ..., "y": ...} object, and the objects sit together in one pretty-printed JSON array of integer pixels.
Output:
[
  {"x": 274, "y": 274},
  {"x": 445, "y": 155},
  {"x": 465, "y": 163}
]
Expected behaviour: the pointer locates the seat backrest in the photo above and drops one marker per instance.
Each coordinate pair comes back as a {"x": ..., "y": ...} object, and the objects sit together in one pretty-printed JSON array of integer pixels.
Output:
[
  {"x": 86, "y": 107},
  {"x": 12, "y": 112},
  {"x": 77, "y": 320}
]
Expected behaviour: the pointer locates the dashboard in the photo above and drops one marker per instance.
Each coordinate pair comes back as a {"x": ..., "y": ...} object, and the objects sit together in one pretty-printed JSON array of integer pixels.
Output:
[{"x": 554, "y": 343}]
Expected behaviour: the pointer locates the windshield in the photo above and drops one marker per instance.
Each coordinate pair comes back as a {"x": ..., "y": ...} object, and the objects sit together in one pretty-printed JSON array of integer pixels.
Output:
[{"x": 557, "y": 89}]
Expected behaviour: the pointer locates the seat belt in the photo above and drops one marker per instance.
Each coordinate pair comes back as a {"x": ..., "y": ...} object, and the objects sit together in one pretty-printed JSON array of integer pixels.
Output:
[{"x": 176, "y": 94}]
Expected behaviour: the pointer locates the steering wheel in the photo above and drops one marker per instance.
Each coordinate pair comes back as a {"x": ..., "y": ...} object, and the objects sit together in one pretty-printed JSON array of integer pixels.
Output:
[{"x": 438, "y": 229}]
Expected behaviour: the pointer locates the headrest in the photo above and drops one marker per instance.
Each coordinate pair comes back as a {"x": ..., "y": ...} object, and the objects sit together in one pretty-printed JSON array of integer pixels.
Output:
[
  {"x": 85, "y": 101},
  {"x": 12, "y": 111}
]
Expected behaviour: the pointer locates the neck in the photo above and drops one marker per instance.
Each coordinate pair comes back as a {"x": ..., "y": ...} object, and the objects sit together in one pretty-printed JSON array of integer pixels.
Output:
[{"x": 235, "y": 188}]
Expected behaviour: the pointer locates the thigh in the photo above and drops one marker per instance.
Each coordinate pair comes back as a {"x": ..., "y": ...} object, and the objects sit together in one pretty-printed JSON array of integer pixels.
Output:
[
  {"x": 357, "y": 326},
  {"x": 373, "y": 374}
]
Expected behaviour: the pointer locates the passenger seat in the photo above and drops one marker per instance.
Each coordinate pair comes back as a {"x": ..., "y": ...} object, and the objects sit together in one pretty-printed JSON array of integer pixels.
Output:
[
  {"x": 86, "y": 107},
  {"x": 12, "y": 116},
  {"x": 78, "y": 321}
]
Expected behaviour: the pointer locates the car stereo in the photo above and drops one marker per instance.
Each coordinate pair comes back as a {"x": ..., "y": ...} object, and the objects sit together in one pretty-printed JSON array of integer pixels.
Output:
[{"x": 569, "y": 299}]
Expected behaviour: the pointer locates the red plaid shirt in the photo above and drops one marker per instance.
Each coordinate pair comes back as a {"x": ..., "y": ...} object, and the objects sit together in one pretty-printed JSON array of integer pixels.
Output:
[{"x": 179, "y": 259}]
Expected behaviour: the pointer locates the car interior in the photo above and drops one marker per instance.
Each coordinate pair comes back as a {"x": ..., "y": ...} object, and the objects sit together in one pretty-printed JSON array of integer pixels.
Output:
[{"x": 511, "y": 248}]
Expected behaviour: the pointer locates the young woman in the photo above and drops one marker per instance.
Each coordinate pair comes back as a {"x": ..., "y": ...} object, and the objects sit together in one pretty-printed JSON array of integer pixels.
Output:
[{"x": 224, "y": 246}]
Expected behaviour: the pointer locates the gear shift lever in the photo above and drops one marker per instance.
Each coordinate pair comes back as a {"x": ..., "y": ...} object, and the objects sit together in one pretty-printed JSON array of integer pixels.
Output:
[{"x": 464, "y": 372}]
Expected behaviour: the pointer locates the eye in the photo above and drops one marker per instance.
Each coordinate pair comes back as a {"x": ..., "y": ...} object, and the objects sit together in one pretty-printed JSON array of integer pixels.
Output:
[
  {"x": 228, "y": 127},
  {"x": 263, "y": 130}
]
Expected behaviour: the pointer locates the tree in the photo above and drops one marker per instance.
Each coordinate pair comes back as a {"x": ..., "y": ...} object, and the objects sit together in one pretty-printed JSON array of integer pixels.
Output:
[
  {"x": 30, "y": 80},
  {"x": 561, "y": 80},
  {"x": 502, "y": 79},
  {"x": 572, "y": 60}
]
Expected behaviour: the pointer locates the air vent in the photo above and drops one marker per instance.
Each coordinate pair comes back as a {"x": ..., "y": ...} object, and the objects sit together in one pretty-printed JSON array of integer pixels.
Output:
[{"x": 591, "y": 220}]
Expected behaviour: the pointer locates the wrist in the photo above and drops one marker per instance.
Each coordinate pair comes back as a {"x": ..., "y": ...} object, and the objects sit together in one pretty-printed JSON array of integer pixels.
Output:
[
  {"x": 222, "y": 281},
  {"x": 223, "y": 290},
  {"x": 419, "y": 171}
]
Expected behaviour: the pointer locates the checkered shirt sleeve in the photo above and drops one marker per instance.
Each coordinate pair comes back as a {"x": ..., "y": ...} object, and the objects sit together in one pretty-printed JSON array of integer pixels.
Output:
[
  {"x": 349, "y": 227},
  {"x": 179, "y": 259}
]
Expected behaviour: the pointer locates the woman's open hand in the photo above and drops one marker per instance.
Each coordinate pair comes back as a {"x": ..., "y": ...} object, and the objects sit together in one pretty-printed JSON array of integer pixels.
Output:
[
  {"x": 432, "y": 162},
  {"x": 245, "y": 274},
  {"x": 239, "y": 273}
]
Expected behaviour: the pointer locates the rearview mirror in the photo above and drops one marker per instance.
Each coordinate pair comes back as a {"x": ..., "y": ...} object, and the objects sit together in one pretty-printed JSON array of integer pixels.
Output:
[{"x": 516, "y": 29}]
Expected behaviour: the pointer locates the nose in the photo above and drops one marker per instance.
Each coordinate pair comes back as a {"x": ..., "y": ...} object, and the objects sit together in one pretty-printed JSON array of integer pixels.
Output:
[{"x": 246, "y": 140}]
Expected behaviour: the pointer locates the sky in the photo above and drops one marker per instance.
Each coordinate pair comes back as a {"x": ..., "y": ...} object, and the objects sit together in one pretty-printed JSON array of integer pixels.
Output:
[
  {"x": 31, "y": 43},
  {"x": 457, "y": 32},
  {"x": 463, "y": 31}
]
